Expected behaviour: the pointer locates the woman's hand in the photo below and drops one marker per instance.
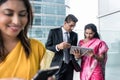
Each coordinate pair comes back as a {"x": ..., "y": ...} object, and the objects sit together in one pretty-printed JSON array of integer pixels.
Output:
[
  {"x": 76, "y": 54},
  {"x": 95, "y": 56},
  {"x": 90, "y": 53}
]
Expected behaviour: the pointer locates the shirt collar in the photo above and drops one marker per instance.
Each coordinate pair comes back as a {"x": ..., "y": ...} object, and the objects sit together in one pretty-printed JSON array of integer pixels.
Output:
[{"x": 63, "y": 30}]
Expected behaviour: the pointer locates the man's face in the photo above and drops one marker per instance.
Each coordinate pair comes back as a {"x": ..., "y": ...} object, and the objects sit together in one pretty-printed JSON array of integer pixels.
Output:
[{"x": 69, "y": 26}]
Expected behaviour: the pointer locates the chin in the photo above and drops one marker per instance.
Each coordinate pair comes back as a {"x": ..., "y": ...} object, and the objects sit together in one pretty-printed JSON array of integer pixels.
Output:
[{"x": 69, "y": 30}]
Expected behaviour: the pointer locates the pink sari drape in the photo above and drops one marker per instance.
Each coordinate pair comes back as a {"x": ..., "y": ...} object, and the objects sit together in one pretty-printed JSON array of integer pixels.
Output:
[{"x": 92, "y": 69}]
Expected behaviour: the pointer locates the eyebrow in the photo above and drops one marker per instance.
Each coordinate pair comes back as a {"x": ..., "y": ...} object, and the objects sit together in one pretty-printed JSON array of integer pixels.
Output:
[{"x": 13, "y": 10}]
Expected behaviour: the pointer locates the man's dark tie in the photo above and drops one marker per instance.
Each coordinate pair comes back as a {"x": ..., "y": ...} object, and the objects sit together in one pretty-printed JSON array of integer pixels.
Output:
[{"x": 66, "y": 51}]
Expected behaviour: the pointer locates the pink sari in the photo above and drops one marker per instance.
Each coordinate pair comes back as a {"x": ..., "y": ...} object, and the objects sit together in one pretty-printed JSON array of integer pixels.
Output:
[{"x": 92, "y": 69}]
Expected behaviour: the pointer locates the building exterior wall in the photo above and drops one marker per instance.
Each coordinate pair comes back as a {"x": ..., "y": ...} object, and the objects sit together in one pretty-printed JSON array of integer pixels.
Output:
[
  {"x": 109, "y": 27},
  {"x": 47, "y": 14}
]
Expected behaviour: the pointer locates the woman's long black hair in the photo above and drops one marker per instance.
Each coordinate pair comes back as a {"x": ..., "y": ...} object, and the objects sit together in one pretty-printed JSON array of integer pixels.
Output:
[{"x": 22, "y": 35}]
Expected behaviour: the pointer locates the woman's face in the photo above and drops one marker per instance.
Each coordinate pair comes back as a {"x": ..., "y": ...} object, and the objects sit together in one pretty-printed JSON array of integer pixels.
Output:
[
  {"x": 13, "y": 17},
  {"x": 89, "y": 34}
]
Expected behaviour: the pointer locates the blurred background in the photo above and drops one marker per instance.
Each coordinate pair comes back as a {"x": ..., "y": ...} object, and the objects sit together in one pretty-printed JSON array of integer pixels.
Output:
[{"x": 105, "y": 14}]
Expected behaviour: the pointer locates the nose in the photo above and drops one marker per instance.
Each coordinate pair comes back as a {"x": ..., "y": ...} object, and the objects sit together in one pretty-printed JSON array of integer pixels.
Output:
[
  {"x": 88, "y": 35},
  {"x": 16, "y": 20}
]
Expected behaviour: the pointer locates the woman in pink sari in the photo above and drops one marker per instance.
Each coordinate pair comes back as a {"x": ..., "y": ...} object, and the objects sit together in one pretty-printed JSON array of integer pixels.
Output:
[{"x": 93, "y": 62}]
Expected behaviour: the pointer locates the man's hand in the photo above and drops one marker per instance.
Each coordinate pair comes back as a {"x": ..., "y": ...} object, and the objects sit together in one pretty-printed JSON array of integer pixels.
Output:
[{"x": 63, "y": 45}]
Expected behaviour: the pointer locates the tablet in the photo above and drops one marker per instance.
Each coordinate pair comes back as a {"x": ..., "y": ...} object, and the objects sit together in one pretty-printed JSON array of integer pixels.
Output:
[
  {"x": 82, "y": 50},
  {"x": 44, "y": 74}
]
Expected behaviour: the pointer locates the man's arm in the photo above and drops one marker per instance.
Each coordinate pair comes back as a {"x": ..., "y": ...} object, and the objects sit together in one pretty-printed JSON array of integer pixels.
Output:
[{"x": 49, "y": 44}]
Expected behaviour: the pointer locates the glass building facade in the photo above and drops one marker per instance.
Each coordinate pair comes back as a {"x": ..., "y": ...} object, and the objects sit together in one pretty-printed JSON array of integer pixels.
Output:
[
  {"x": 47, "y": 14},
  {"x": 109, "y": 25}
]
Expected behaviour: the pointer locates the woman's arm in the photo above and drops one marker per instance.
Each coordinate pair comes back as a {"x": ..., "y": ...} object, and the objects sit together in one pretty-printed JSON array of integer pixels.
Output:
[{"x": 95, "y": 56}]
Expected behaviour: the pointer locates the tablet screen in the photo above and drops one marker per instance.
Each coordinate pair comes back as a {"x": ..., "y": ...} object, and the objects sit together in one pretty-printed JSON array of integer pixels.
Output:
[{"x": 81, "y": 49}]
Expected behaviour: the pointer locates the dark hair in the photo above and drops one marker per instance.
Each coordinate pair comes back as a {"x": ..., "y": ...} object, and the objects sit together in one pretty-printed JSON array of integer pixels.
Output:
[
  {"x": 22, "y": 35},
  {"x": 93, "y": 28},
  {"x": 71, "y": 17}
]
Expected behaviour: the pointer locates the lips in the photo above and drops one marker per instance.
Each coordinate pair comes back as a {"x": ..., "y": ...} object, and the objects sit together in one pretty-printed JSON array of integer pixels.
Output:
[{"x": 15, "y": 28}]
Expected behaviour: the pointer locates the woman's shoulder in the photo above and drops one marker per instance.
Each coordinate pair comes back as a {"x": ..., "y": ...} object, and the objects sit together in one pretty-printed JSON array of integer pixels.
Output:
[
  {"x": 35, "y": 42},
  {"x": 81, "y": 42},
  {"x": 37, "y": 48},
  {"x": 100, "y": 40}
]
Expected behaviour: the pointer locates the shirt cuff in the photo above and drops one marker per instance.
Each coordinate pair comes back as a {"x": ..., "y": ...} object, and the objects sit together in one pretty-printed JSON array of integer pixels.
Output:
[
  {"x": 56, "y": 48},
  {"x": 78, "y": 61}
]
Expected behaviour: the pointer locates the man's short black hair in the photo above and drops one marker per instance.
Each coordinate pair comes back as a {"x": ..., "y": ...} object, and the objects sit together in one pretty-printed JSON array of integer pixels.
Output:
[{"x": 71, "y": 17}]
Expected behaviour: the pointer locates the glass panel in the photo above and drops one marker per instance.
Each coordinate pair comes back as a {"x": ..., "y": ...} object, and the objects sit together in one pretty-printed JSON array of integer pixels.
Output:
[
  {"x": 52, "y": 9},
  {"x": 55, "y": 1},
  {"x": 37, "y": 20}
]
